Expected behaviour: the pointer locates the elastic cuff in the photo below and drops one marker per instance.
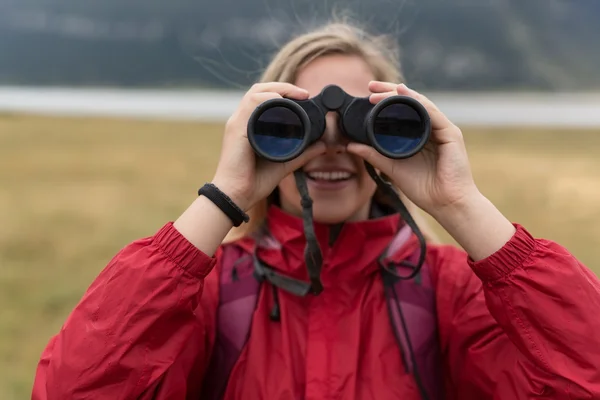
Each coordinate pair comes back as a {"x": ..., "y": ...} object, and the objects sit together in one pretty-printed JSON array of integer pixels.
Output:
[
  {"x": 182, "y": 252},
  {"x": 512, "y": 255}
]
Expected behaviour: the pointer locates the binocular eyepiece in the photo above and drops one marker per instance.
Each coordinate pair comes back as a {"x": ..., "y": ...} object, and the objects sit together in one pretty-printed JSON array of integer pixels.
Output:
[{"x": 281, "y": 129}]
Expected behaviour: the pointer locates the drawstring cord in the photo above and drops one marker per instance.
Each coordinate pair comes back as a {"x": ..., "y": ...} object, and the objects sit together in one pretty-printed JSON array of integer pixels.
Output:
[{"x": 275, "y": 311}]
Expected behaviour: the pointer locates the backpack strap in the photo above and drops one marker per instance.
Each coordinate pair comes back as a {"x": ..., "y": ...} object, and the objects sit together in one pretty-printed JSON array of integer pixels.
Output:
[
  {"x": 238, "y": 295},
  {"x": 411, "y": 305},
  {"x": 413, "y": 315}
]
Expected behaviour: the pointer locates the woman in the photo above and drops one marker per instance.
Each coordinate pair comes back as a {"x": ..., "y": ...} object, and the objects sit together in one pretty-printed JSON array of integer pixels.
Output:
[{"x": 515, "y": 317}]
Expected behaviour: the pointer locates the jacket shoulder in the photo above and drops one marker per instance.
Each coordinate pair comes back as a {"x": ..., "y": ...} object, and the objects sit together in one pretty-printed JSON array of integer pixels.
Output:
[{"x": 448, "y": 261}]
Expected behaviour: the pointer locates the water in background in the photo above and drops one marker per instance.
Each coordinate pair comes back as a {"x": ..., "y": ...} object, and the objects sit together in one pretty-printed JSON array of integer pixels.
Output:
[{"x": 565, "y": 109}]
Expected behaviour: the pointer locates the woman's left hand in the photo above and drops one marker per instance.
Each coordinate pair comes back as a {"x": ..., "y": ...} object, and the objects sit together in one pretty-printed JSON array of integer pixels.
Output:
[
  {"x": 438, "y": 179},
  {"x": 439, "y": 176}
]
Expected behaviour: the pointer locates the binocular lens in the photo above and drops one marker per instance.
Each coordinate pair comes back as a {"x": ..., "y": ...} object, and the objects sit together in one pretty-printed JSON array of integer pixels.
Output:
[
  {"x": 398, "y": 129},
  {"x": 278, "y": 132}
]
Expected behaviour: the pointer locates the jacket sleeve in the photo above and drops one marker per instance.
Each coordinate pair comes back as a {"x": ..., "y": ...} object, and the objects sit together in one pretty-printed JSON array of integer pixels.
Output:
[
  {"x": 131, "y": 324},
  {"x": 520, "y": 324}
]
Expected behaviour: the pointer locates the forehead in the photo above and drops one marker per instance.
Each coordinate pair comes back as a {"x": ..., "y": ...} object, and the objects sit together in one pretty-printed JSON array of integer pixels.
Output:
[{"x": 351, "y": 73}]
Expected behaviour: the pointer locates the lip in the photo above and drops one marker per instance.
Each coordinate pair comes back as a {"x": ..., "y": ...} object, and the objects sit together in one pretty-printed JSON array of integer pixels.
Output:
[
  {"x": 330, "y": 169},
  {"x": 330, "y": 185}
]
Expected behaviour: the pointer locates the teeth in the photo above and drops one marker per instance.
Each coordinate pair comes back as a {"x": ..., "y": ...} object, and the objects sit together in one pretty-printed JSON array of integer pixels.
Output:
[{"x": 329, "y": 176}]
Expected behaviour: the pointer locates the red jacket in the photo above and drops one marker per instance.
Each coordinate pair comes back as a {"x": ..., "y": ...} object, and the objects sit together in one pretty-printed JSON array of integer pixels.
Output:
[{"x": 521, "y": 324}]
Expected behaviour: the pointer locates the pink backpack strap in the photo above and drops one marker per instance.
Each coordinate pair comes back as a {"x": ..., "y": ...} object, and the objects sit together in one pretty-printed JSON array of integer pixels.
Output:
[
  {"x": 238, "y": 294},
  {"x": 413, "y": 315}
]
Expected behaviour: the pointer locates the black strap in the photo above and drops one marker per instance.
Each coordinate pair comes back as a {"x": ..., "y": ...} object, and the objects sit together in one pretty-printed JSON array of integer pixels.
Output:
[
  {"x": 391, "y": 193},
  {"x": 312, "y": 252},
  {"x": 225, "y": 204},
  {"x": 294, "y": 286}
]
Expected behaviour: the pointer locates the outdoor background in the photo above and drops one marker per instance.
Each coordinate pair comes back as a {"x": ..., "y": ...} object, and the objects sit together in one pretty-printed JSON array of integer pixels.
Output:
[{"x": 111, "y": 114}]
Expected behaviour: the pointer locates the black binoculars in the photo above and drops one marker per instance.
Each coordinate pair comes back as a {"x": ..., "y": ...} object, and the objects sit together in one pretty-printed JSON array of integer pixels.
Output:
[{"x": 281, "y": 129}]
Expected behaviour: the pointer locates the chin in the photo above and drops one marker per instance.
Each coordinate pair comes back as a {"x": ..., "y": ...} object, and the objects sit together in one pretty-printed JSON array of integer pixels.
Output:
[
  {"x": 329, "y": 207},
  {"x": 333, "y": 214}
]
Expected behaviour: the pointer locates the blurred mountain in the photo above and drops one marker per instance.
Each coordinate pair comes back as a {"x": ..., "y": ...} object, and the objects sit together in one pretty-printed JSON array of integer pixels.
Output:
[{"x": 459, "y": 44}]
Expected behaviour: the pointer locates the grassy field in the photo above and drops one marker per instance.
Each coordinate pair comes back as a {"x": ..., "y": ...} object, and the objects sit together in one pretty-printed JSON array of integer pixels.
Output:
[{"x": 74, "y": 191}]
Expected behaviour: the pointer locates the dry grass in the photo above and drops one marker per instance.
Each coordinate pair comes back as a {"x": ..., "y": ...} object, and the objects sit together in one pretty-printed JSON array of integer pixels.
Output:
[{"x": 74, "y": 191}]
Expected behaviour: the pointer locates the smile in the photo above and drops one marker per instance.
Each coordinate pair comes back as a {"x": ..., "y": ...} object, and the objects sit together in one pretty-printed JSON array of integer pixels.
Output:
[{"x": 329, "y": 175}]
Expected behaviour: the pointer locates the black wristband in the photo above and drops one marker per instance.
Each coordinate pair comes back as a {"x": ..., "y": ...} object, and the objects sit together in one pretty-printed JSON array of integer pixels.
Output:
[{"x": 225, "y": 204}]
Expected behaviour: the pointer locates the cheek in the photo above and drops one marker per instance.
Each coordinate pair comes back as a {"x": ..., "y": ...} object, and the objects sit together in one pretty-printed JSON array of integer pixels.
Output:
[{"x": 367, "y": 186}]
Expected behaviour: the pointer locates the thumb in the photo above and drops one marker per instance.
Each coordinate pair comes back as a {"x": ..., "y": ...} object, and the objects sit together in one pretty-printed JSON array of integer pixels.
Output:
[{"x": 372, "y": 156}]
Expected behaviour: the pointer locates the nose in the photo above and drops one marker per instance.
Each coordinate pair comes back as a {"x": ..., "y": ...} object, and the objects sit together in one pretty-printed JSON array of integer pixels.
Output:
[{"x": 333, "y": 136}]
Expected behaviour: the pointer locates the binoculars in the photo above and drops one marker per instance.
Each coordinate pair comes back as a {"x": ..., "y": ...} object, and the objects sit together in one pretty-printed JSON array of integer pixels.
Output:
[{"x": 279, "y": 130}]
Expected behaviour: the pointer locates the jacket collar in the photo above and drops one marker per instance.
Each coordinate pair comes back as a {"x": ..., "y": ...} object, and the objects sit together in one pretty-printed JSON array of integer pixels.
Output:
[{"x": 352, "y": 255}]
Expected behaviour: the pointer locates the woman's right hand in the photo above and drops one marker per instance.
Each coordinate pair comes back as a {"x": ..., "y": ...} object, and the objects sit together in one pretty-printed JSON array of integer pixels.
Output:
[{"x": 240, "y": 174}]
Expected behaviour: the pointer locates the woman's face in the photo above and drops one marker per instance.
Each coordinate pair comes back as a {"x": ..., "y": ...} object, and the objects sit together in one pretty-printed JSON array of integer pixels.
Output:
[{"x": 338, "y": 182}]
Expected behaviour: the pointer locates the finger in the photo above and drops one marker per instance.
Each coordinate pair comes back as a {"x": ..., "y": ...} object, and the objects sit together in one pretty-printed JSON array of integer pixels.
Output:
[
  {"x": 250, "y": 102},
  {"x": 372, "y": 156},
  {"x": 377, "y": 97},
  {"x": 257, "y": 98},
  {"x": 439, "y": 121},
  {"x": 283, "y": 88},
  {"x": 381, "y": 90},
  {"x": 381, "y": 87}
]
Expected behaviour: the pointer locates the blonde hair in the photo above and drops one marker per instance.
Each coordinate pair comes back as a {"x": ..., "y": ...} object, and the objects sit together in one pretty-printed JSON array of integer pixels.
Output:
[{"x": 379, "y": 52}]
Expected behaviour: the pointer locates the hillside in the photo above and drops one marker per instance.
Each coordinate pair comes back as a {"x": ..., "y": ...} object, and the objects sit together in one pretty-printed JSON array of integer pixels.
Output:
[{"x": 467, "y": 44}]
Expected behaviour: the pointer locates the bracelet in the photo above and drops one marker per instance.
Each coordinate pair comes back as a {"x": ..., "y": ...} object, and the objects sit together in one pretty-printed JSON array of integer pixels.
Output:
[{"x": 225, "y": 204}]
